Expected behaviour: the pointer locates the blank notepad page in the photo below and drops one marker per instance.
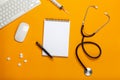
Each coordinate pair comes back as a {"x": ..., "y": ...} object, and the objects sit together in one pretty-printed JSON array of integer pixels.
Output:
[{"x": 56, "y": 37}]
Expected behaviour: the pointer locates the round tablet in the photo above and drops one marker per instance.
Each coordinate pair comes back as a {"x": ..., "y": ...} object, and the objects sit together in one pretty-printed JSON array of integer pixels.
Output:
[
  {"x": 25, "y": 61},
  {"x": 19, "y": 64},
  {"x": 8, "y": 58},
  {"x": 21, "y": 55}
]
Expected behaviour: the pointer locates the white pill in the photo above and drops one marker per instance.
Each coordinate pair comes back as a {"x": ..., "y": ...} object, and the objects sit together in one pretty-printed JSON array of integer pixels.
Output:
[
  {"x": 21, "y": 55},
  {"x": 8, "y": 58},
  {"x": 19, "y": 64},
  {"x": 25, "y": 61}
]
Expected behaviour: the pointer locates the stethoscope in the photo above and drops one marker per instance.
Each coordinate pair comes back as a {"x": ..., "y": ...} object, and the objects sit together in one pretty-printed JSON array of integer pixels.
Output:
[{"x": 88, "y": 71}]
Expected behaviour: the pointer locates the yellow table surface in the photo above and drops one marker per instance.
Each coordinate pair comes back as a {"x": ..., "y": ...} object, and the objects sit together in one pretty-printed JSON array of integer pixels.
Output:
[{"x": 43, "y": 68}]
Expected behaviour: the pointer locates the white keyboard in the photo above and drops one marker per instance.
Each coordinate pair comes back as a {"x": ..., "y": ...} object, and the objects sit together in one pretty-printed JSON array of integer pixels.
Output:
[{"x": 12, "y": 9}]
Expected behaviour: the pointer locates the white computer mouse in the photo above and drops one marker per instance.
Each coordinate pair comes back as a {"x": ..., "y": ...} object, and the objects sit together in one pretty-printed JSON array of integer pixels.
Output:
[{"x": 21, "y": 32}]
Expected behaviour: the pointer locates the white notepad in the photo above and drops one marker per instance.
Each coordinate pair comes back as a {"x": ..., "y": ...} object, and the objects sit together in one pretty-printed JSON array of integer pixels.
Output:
[{"x": 56, "y": 37}]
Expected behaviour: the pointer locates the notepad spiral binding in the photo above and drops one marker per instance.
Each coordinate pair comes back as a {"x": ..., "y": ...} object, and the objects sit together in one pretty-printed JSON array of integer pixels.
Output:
[{"x": 52, "y": 19}]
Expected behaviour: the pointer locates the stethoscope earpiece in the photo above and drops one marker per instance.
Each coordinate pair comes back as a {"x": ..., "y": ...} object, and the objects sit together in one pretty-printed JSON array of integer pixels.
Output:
[
  {"x": 106, "y": 14},
  {"x": 96, "y": 7},
  {"x": 88, "y": 72}
]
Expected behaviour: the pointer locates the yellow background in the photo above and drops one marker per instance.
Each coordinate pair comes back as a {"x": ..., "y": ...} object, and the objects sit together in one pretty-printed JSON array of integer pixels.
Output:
[{"x": 43, "y": 68}]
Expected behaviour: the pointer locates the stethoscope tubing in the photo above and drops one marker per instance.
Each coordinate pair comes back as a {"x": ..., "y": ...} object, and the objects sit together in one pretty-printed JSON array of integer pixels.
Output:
[
  {"x": 83, "y": 48},
  {"x": 87, "y": 70}
]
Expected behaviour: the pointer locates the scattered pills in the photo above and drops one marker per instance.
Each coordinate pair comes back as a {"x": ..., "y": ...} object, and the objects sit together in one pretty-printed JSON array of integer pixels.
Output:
[{"x": 20, "y": 56}]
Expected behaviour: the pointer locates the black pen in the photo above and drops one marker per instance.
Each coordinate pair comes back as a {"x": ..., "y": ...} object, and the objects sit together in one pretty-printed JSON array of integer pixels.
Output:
[{"x": 41, "y": 47}]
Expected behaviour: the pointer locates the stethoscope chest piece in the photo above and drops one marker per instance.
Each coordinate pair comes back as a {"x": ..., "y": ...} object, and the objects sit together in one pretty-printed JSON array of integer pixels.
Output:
[{"x": 88, "y": 72}]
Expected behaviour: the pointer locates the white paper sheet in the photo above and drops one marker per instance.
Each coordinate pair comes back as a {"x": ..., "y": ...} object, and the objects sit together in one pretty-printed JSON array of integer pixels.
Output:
[{"x": 56, "y": 37}]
